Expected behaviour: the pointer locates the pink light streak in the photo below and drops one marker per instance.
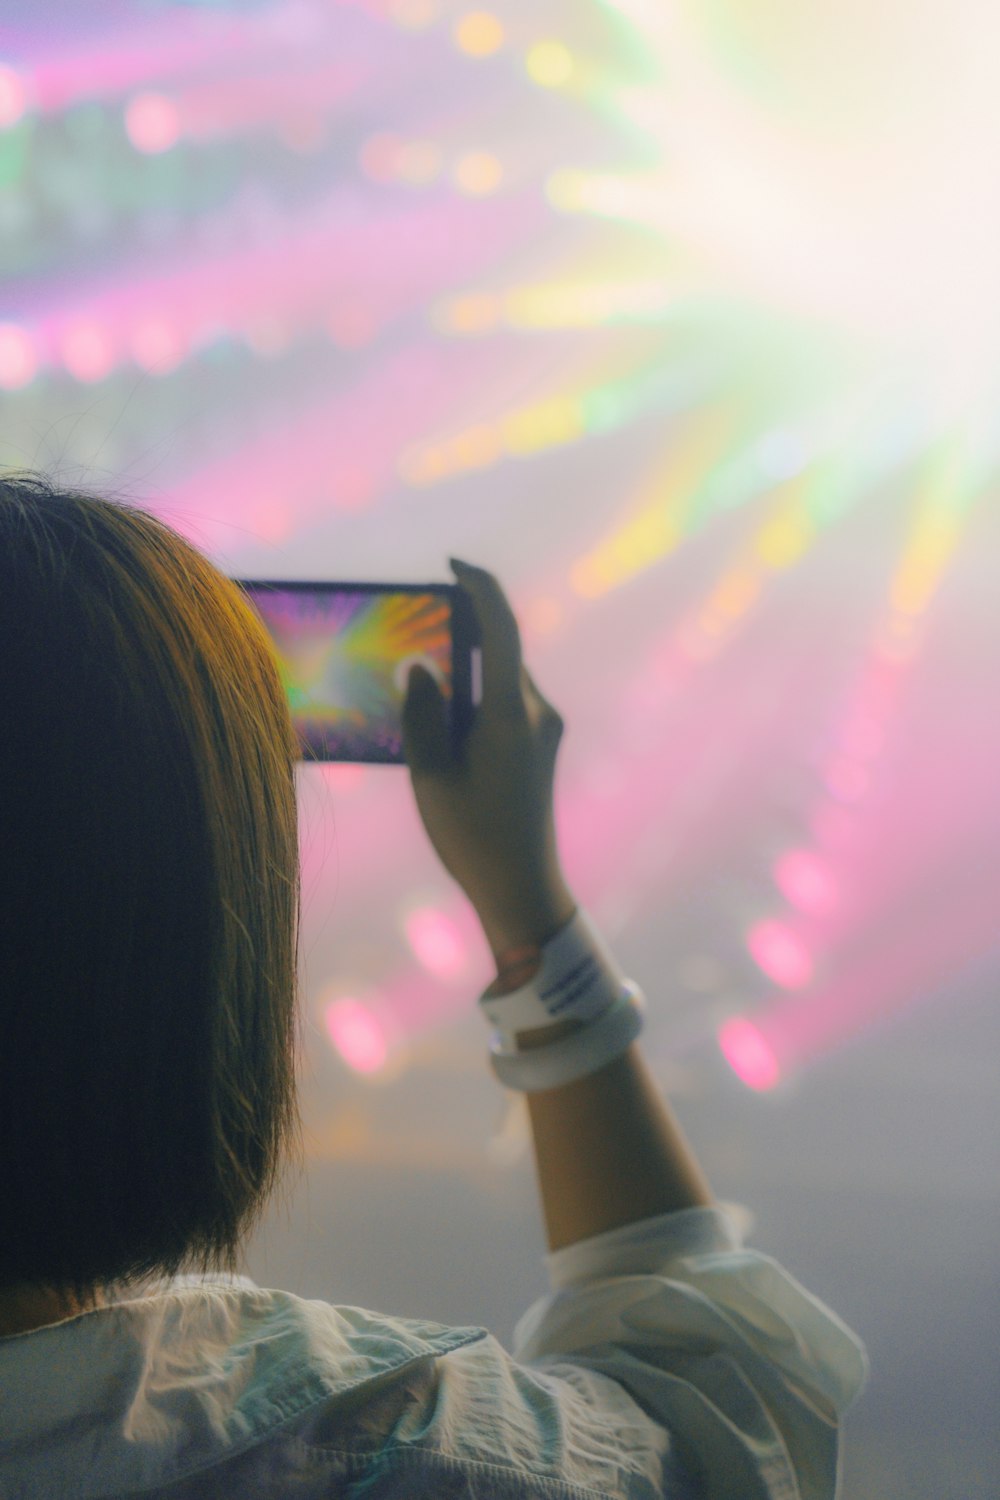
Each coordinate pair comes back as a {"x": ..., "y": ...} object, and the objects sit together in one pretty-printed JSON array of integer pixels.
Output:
[
  {"x": 105, "y": 67},
  {"x": 325, "y": 265},
  {"x": 335, "y": 445},
  {"x": 781, "y": 954},
  {"x": 342, "y": 452},
  {"x": 935, "y": 803},
  {"x": 600, "y": 834},
  {"x": 911, "y": 957},
  {"x": 214, "y": 44},
  {"x": 262, "y": 99}
]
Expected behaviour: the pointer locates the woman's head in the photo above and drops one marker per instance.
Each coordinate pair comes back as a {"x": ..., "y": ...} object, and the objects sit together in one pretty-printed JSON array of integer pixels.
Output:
[{"x": 149, "y": 900}]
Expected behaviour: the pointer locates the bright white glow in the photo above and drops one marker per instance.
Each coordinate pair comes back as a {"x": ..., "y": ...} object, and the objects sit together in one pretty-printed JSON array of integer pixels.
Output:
[{"x": 859, "y": 191}]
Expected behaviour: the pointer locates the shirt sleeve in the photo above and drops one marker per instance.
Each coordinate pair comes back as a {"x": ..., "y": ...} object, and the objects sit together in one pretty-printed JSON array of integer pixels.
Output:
[{"x": 717, "y": 1344}]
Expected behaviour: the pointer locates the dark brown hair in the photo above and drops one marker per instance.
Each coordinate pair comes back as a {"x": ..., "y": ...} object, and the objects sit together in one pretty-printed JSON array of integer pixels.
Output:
[{"x": 149, "y": 900}]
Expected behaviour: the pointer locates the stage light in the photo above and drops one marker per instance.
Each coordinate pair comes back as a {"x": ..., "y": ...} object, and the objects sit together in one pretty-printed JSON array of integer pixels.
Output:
[
  {"x": 356, "y": 1034},
  {"x": 748, "y": 1054},
  {"x": 153, "y": 123},
  {"x": 479, "y": 34},
  {"x": 478, "y": 173},
  {"x": 13, "y": 97},
  {"x": 435, "y": 942},
  {"x": 805, "y": 881},
  {"x": 780, "y": 954},
  {"x": 549, "y": 64},
  {"x": 87, "y": 353},
  {"x": 18, "y": 361}
]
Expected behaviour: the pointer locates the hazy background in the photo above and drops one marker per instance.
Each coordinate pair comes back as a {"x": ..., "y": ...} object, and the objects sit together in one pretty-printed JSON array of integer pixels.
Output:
[{"x": 682, "y": 319}]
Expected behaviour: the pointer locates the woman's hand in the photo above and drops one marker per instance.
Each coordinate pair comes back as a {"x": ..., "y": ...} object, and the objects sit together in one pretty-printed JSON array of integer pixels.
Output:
[{"x": 489, "y": 815}]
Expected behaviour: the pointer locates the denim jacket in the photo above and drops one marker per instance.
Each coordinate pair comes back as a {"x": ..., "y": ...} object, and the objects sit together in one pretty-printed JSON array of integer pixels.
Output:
[{"x": 666, "y": 1361}]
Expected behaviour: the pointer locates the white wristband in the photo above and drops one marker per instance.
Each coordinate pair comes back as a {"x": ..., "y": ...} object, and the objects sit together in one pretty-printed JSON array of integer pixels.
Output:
[
  {"x": 575, "y": 1056},
  {"x": 578, "y": 979}
]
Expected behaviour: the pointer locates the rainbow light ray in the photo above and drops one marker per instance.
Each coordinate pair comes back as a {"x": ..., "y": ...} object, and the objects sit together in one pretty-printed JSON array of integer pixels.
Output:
[
  {"x": 436, "y": 408},
  {"x": 874, "y": 878}
]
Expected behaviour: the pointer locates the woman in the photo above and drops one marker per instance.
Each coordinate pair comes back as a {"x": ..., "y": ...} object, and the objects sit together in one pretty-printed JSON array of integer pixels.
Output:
[{"x": 149, "y": 913}]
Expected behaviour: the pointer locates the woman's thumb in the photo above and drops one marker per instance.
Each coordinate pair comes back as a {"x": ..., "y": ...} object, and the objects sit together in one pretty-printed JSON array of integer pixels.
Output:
[{"x": 426, "y": 740}]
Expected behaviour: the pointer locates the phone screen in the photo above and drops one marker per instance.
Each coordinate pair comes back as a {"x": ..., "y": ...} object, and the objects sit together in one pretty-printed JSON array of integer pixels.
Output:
[{"x": 344, "y": 651}]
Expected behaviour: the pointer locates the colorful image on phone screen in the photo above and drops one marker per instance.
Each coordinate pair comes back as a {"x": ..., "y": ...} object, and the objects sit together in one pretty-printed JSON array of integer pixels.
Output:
[{"x": 344, "y": 656}]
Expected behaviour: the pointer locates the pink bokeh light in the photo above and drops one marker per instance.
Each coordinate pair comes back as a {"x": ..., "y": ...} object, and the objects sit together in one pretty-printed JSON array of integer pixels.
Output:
[
  {"x": 748, "y": 1054},
  {"x": 341, "y": 776},
  {"x": 13, "y": 97},
  {"x": 157, "y": 347},
  {"x": 88, "y": 353},
  {"x": 805, "y": 881},
  {"x": 153, "y": 123},
  {"x": 435, "y": 942},
  {"x": 18, "y": 360},
  {"x": 356, "y": 1034},
  {"x": 780, "y": 954}
]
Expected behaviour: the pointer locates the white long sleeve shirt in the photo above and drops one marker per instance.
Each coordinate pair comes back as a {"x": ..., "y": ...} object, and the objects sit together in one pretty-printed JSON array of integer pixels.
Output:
[{"x": 667, "y": 1361}]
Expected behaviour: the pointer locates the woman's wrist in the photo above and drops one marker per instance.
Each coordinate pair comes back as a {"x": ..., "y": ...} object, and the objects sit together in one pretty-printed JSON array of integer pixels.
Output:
[
  {"x": 512, "y": 978},
  {"x": 517, "y": 949},
  {"x": 517, "y": 937}
]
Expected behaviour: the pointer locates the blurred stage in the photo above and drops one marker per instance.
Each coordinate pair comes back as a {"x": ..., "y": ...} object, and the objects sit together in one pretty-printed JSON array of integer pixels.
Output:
[{"x": 682, "y": 320}]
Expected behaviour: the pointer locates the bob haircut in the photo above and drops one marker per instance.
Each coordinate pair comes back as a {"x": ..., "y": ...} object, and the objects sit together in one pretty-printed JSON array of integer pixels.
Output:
[{"x": 149, "y": 900}]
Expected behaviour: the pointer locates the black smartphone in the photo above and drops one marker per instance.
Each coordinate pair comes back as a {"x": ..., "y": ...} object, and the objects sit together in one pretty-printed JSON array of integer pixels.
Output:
[{"x": 344, "y": 652}]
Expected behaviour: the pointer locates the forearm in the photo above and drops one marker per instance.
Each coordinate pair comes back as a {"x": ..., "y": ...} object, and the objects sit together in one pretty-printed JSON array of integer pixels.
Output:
[
  {"x": 608, "y": 1148},
  {"x": 609, "y": 1151}
]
